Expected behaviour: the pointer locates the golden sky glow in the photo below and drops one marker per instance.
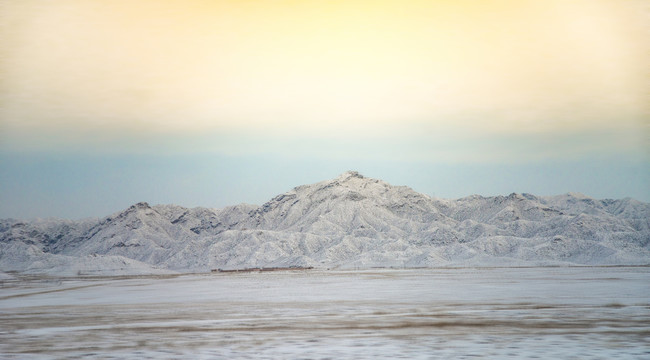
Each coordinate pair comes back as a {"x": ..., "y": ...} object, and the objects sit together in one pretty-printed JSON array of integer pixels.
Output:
[
  {"x": 331, "y": 68},
  {"x": 104, "y": 103}
]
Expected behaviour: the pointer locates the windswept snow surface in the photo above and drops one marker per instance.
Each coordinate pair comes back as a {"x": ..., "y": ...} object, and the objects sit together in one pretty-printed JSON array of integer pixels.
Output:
[
  {"x": 348, "y": 222},
  {"x": 456, "y": 313}
]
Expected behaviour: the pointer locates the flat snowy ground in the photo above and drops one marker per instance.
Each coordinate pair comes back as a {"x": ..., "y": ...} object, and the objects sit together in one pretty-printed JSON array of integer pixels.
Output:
[{"x": 559, "y": 313}]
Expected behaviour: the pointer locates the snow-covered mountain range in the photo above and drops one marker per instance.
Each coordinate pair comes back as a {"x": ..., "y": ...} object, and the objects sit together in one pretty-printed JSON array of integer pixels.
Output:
[{"x": 348, "y": 222}]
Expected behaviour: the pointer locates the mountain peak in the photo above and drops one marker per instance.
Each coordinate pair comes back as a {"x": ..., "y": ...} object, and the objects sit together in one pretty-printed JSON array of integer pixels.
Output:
[
  {"x": 140, "y": 205},
  {"x": 350, "y": 174},
  {"x": 577, "y": 195}
]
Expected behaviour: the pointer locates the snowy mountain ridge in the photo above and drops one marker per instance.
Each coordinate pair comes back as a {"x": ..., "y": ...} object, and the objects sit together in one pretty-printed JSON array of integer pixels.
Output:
[{"x": 347, "y": 222}]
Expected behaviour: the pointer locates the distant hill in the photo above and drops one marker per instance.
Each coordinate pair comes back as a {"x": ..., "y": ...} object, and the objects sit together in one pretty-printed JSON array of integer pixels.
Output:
[{"x": 348, "y": 222}]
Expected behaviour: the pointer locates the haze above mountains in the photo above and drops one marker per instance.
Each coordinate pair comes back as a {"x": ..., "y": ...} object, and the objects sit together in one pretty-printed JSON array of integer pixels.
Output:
[{"x": 348, "y": 222}]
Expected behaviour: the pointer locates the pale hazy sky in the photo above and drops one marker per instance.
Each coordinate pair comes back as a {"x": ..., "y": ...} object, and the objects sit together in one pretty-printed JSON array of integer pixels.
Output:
[{"x": 106, "y": 103}]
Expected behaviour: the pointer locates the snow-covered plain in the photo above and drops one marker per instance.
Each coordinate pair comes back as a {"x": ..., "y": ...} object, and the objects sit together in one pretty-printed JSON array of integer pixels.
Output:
[
  {"x": 461, "y": 313},
  {"x": 350, "y": 222}
]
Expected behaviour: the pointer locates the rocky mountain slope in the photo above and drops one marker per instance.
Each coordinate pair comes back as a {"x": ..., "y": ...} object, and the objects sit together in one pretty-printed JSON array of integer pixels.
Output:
[{"x": 350, "y": 222}]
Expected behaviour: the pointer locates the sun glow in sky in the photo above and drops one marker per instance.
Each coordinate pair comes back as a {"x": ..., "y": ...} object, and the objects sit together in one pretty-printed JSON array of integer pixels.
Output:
[{"x": 432, "y": 82}]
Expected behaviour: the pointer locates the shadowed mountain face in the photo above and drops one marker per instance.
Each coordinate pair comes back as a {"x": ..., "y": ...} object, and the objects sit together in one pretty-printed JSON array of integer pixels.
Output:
[{"x": 350, "y": 221}]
